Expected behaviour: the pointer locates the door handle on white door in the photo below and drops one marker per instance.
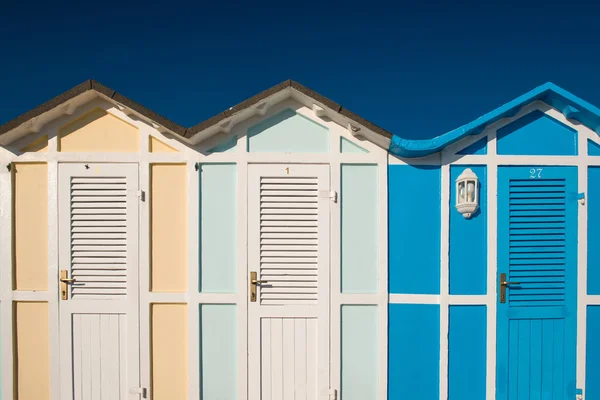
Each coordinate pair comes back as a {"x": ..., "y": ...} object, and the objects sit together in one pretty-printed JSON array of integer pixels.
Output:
[
  {"x": 253, "y": 283},
  {"x": 64, "y": 281}
]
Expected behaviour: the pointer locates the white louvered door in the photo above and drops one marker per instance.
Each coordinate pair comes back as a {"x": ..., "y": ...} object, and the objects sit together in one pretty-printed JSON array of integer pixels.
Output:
[
  {"x": 288, "y": 247},
  {"x": 98, "y": 248}
]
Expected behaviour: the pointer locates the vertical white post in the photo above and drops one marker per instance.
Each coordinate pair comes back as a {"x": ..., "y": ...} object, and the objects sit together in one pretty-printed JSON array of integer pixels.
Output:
[
  {"x": 444, "y": 278},
  {"x": 53, "y": 301},
  {"x": 582, "y": 262},
  {"x": 6, "y": 306},
  {"x": 144, "y": 277},
  {"x": 194, "y": 333},
  {"x": 492, "y": 268},
  {"x": 242, "y": 267}
]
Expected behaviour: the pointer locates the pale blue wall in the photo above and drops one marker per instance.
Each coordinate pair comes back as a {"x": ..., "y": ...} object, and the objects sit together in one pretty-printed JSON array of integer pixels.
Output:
[
  {"x": 218, "y": 332},
  {"x": 360, "y": 222},
  {"x": 468, "y": 239},
  {"x": 288, "y": 132},
  {"x": 360, "y": 352},
  {"x": 414, "y": 229},
  {"x": 218, "y": 228},
  {"x": 347, "y": 146}
]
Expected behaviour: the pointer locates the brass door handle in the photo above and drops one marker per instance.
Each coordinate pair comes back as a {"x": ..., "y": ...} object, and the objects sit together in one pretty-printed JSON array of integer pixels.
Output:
[
  {"x": 503, "y": 284},
  {"x": 67, "y": 280},
  {"x": 253, "y": 284}
]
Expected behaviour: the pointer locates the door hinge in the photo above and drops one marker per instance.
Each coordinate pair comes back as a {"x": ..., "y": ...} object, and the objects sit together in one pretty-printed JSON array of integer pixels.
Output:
[
  {"x": 581, "y": 198},
  {"x": 579, "y": 394},
  {"x": 332, "y": 394},
  {"x": 138, "y": 390},
  {"x": 140, "y": 194},
  {"x": 328, "y": 194}
]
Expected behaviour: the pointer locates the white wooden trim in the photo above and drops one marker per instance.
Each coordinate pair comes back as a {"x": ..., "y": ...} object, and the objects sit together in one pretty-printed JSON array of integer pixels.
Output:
[
  {"x": 590, "y": 300},
  {"x": 26, "y": 295},
  {"x": 335, "y": 282},
  {"x": 6, "y": 305},
  {"x": 53, "y": 274},
  {"x": 242, "y": 298},
  {"x": 193, "y": 269},
  {"x": 472, "y": 300},
  {"x": 444, "y": 278},
  {"x": 383, "y": 278},
  {"x": 395, "y": 298},
  {"x": 582, "y": 265},
  {"x": 144, "y": 280},
  {"x": 492, "y": 261}
]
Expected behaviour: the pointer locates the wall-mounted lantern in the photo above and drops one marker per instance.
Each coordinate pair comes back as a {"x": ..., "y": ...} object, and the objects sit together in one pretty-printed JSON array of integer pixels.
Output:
[{"x": 467, "y": 193}]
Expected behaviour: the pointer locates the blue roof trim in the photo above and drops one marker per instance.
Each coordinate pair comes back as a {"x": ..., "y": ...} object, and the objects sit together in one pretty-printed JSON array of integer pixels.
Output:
[{"x": 570, "y": 105}]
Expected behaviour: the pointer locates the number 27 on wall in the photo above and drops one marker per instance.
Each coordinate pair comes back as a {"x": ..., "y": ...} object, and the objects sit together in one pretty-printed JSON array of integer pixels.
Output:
[{"x": 535, "y": 173}]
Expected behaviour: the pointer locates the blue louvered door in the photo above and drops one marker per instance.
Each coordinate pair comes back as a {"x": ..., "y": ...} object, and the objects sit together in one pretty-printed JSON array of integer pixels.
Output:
[{"x": 537, "y": 250}]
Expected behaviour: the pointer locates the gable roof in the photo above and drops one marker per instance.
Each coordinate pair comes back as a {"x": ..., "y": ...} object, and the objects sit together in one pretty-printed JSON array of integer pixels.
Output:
[
  {"x": 570, "y": 105},
  {"x": 185, "y": 132}
]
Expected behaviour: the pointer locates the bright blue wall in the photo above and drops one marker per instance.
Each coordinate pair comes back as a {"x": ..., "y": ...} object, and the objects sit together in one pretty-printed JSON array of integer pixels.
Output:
[
  {"x": 593, "y": 226},
  {"x": 467, "y": 352},
  {"x": 592, "y": 373},
  {"x": 537, "y": 134},
  {"x": 593, "y": 148},
  {"x": 414, "y": 351},
  {"x": 477, "y": 148},
  {"x": 414, "y": 229},
  {"x": 468, "y": 239}
]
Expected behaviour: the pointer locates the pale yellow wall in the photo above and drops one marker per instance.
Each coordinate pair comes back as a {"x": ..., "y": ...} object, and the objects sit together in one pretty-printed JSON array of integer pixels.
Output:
[
  {"x": 98, "y": 131},
  {"x": 40, "y": 145},
  {"x": 168, "y": 198},
  {"x": 32, "y": 351},
  {"x": 30, "y": 224},
  {"x": 169, "y": 352},
  {"x": 156, "y": 146}
]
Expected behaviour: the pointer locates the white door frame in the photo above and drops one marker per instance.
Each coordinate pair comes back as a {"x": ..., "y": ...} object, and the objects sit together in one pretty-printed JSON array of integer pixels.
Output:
[
  {"x": 103, "y": 304},
  {"x": 321, "y": 311}
]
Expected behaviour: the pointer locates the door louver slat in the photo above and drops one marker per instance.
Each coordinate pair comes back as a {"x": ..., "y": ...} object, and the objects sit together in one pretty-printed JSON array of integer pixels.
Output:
[
  {"x": 537, "y": 246},
  {"x": 288, "y": 240},
  {"x": 98, "y": 236}
]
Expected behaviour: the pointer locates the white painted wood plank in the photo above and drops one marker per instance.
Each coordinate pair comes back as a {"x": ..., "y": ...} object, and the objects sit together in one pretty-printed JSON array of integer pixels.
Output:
[
  {"x": 288, "y": 358},
  {"x": 77, "y": 359},
  {"x": 266, "y": 357},
  {"x": 95, "y": 356},
  {"x": 86, "y": 367},
  {"x": 300, "y": 371},
  {"x": 124, "y": 380},
  {"x": 276, "y": 372},
  {"x": 311, "y": 358}
]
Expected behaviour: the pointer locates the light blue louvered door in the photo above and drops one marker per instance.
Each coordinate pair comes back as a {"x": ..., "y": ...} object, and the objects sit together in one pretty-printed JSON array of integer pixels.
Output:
[{"x": 537, "y": 250}]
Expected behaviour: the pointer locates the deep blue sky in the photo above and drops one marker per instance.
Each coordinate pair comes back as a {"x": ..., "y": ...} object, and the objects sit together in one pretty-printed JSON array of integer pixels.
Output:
[{"x": 417, "y": 69}]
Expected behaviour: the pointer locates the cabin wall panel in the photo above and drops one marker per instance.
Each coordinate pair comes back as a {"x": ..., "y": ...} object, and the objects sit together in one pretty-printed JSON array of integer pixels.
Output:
[
  {"x": 168, "y": 221},
  {"x": 468, "y": 239},
  {"x": 169, "y": 352},
  {"x": 32, "y": 351},
  {"x": 414, "y": 351},
  {"x": 414, "y": 211},
  {"x": 30, "y": 226}
]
